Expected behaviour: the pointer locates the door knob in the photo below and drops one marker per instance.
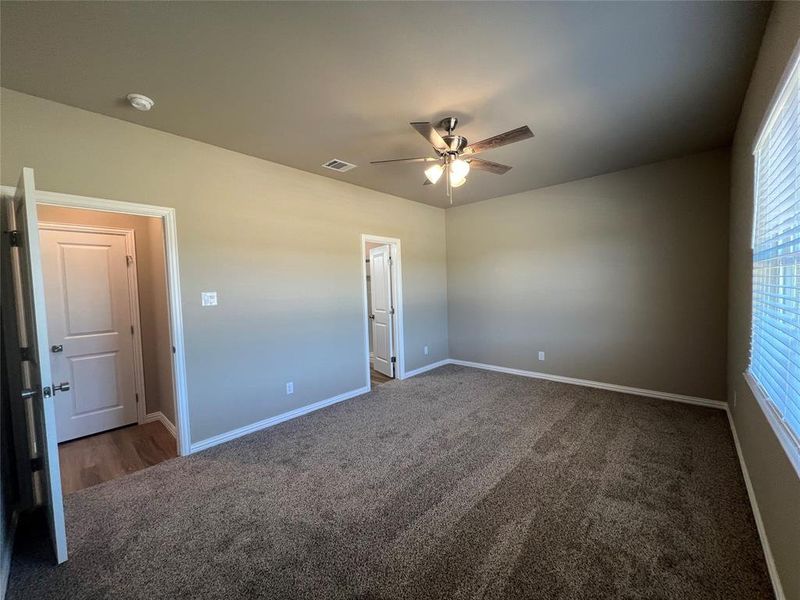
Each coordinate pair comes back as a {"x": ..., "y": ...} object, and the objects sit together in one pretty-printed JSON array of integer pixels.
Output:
[
  {"x": 57, "y": 348},
  {"x": 61, "y": 387}
]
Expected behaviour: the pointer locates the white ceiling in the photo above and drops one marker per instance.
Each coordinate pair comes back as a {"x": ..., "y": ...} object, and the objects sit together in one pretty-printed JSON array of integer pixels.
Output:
[{"x": 603, "y": 85}]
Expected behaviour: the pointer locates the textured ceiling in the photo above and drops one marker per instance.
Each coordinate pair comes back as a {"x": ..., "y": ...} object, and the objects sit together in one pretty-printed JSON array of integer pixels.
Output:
[{"x": 603, "y": 85}]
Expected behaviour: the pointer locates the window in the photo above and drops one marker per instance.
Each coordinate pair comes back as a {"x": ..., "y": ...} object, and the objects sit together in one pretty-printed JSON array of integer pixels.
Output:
[{"x": 775, "y": 350}]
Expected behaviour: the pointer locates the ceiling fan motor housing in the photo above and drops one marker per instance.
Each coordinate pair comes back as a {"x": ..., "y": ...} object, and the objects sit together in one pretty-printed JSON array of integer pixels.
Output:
[{"x": 455, "y": 143}]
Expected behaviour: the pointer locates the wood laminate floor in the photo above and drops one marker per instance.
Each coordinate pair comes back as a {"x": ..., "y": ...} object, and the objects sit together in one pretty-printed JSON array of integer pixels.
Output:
[
  {"x": 97, "y": 458},
  {"x": 376, "y": 378}
]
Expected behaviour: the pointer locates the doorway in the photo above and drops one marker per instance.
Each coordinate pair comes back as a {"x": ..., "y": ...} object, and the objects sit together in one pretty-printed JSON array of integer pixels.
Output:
[
  {"x": 382, "y": 289},
  {"x": 169, "y": 340},
  {"x": 108, "y": 326},
  {"x": 32, "y": 392}
]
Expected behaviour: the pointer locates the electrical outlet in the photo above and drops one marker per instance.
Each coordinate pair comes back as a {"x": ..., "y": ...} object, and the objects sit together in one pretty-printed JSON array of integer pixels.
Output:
[
  {"x": 425, "y": 350},
  {"x": 208, "y": 298},
  {"x": 290, "y": 387},
  {"x": 541, "y": 355}
]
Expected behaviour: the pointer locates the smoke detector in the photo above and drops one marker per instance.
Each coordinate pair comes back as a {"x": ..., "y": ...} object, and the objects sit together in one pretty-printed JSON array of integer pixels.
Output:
[{"x": 140, "y": 102}]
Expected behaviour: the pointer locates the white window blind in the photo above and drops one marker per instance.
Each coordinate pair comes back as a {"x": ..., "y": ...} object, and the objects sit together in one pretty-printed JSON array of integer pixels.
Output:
[{"x": 775, "y": 350}]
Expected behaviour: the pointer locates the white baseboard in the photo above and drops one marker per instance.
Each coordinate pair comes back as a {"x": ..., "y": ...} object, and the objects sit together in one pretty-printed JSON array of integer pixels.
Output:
[
  {"x": 426, "y": 368},
  {"x": 303, "y": 410},
  {"x": 762, "y": 533},
  {"x": 159, "y": 416},
  {"x": 6, "y": 552},
  {"x": 624, "y": 389},
  {"x": 257, "y": 426}
]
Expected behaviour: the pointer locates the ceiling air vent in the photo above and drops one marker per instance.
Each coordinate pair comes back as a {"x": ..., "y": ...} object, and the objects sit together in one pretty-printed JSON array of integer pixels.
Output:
[{"x": 338, "y": 165}]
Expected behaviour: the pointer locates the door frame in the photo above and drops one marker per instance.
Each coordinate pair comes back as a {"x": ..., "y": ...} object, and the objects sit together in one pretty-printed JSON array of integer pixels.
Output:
[
  {"x": 396, "y": 273},
  {"x": 133, "y": 297},
  {"x": 167, "y": 216}
]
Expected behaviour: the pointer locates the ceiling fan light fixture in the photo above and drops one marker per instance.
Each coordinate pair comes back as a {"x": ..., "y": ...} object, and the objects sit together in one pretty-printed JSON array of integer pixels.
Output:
[
  {"x": 459, "y": 169},
  {"x": 450, "y": 147},
  {"x": 433, "y": 173}
]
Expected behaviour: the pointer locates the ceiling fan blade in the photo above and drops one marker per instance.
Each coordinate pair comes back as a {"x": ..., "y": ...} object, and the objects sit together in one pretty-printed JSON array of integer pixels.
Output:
[
  {"x": 488, "y": 166},
  {"x": 427, "y": 131},
  {"x": 392, "y": 160},
  {"x": 509, "y": 137}
]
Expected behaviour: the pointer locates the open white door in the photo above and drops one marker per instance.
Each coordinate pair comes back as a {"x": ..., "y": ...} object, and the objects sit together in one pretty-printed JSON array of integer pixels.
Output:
[
  {"x": 382, "y": 309},
  {"x": 38, "y": 389}
]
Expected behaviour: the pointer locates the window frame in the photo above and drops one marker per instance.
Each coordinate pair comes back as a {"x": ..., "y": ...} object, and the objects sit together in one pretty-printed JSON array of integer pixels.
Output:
[{"x": 789, "y": 440}]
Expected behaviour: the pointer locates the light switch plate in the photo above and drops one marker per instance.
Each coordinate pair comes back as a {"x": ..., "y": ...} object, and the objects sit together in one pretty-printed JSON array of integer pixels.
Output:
[{"x": 208, "y": 298}]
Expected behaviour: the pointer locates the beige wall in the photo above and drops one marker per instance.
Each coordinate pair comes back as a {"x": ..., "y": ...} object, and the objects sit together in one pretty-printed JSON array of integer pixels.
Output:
[
  {"x": 281, "y": 247},
  {"x": 153, "y": 304},
  {"x": 776, "y": 485},
  {"x": 619, "y": 278}
]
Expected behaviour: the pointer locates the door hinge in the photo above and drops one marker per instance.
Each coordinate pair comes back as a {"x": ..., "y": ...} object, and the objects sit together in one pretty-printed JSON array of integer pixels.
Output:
[
  {"x": 14, "y": 238},
  {"x": 129, "y": 259},
  {"x": 391, "y": 311},
  {"x": 131, "y": 329},
  {"x": 26, "y": 354},
  {"x": 394, "y": 359},
  {"x": 37, "y": 464},
  {"x": 137, "y": 398}
]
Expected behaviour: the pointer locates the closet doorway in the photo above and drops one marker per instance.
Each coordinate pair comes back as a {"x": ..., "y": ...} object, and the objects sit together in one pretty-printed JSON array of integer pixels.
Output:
[
  {"x": 383, "y": 308},
  {"x": 108, "y": 326}
]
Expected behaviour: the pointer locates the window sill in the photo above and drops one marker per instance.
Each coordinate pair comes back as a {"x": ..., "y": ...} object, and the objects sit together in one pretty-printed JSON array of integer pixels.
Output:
[{"x": 785, "y": 437}]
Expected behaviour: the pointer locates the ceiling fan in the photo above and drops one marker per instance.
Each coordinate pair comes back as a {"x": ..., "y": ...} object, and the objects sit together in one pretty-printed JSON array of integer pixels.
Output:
[{"x": 455, "y": 156}]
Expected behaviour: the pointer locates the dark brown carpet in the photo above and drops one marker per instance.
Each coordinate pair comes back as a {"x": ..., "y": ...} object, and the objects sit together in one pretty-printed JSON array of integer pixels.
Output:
[{"x": 457, "y": 483}]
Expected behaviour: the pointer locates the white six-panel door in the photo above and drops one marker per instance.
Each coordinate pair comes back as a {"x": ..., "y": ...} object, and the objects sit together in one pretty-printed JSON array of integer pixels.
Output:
[
  {"x": 89, "y": 327},
  {"x": 381, "y": 318}
]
